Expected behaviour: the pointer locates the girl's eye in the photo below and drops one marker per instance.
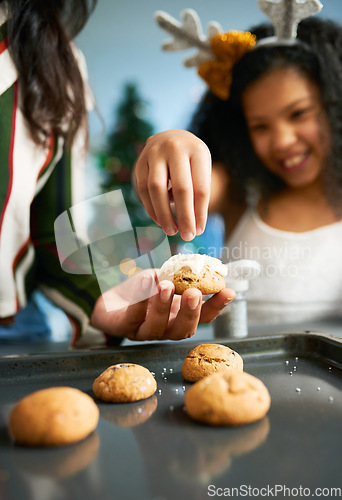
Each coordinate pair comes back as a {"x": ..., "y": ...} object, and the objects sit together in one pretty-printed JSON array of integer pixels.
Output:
[
  {"x": 300, "y": 112},
  {"x": 297, "y": 113},
  {"x": 257, "y": 127}
]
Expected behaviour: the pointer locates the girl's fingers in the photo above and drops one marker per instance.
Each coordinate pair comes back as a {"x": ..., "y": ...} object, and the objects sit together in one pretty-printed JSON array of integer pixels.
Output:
[
  {"x": 141, "y": 178},
  {"x": 182, "y": 160},
  {"x": 201, "y": 178},
  {"x": 182, "y": 193},
  {"x": 158, "y": 183}
]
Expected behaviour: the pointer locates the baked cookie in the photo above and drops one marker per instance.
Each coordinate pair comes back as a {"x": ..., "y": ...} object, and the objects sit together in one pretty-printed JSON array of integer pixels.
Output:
[
  {"x": 205, "y": 359},
  {"x": 228, "y": 399},
  {"x": 53, "y": 417},
  {"x": 124, "y": 383},
  {"x": 194, "y": 271}
]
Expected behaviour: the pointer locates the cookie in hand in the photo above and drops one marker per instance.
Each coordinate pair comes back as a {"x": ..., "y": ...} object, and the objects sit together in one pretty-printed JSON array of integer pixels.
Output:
[{"x": 194, "y": 271}]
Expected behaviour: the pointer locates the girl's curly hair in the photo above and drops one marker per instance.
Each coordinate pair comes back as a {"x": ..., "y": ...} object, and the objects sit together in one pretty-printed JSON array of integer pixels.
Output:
[
  {"x": 51, "y": 87},
  {"x": 222, "y": 126}
]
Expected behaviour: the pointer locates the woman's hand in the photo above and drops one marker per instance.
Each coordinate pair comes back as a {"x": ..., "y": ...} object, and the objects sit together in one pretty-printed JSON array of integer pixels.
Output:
[
  {"x": 174, "y": 168},
  {"x": 143, "y": 309}
]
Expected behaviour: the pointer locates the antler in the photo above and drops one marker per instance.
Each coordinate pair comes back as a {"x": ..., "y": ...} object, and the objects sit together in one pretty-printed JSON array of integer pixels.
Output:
[
  {"x": 286, "y": 15},
  {"x": 188, "y": 34}
]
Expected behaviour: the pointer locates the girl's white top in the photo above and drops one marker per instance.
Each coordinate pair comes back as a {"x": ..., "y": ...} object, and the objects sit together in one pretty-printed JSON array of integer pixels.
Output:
[
  {"x": 301, "y": 273},
  {"x": 196, "y": 262}
]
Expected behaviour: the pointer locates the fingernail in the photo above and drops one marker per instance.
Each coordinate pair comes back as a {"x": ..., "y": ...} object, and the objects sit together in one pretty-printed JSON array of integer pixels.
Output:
[
  {"x": 188, "y": 236},
  {"x": 170, "y": 231},
  {"x": 146, "y": 282},
  {"x": 165, "y": 293},
  {"x": 228, "y": 300},
  {"x": 199, "y": 231},
  {"x": 194, "y": 302}
]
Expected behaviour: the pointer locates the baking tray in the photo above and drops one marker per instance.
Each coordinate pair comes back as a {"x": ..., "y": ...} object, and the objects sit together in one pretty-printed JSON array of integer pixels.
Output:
[{"x": 152, "y": 450}]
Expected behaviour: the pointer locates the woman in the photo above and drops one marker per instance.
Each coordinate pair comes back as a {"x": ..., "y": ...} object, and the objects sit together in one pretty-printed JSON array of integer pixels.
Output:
[{"x": 44, "y": 97}]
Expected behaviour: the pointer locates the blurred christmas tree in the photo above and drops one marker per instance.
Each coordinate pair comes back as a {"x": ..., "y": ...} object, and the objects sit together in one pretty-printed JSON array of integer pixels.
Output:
[{"x": 123, "y": 146}]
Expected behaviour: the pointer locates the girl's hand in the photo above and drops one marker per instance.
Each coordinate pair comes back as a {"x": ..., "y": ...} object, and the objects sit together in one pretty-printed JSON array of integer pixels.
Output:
[
  {"x": 172, "y": 177},
  {"x": 162, "y": 315}
]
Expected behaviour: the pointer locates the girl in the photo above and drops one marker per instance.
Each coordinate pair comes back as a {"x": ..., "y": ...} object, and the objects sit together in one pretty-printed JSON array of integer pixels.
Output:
[
  {"x": 277, "y": 173},
  {"x": 44, "y": 99}
]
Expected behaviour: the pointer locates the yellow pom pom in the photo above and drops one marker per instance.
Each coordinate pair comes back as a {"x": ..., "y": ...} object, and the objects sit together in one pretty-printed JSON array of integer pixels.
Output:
[{"x": 228, "y": 48}]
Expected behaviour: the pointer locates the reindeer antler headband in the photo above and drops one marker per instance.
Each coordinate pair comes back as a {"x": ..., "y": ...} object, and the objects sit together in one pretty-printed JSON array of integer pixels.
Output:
[{"x": 219, "y": 52}]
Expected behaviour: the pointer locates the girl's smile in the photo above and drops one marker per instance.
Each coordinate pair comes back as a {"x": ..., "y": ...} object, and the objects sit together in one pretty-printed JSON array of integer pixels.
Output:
[{"x": 287, "y": 125}]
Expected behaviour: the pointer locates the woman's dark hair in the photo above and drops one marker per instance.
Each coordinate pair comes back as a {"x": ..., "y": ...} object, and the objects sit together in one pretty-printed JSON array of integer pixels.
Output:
[
  {"x": 222, "y": 126},
  {"x": 51, "y": 86}
]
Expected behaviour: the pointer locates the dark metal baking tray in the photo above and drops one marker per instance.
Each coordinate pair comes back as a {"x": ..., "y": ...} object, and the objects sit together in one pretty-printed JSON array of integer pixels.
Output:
[{"x": 152, "y": 450}]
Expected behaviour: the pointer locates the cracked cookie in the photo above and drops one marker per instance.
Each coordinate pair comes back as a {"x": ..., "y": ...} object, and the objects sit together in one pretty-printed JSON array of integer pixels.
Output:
[
  {"x": 227, "y": 399},
  {"x": 194, "y": 271},
  {"x": 206, "y": 359},
  {"x": 124, "y": 383}
]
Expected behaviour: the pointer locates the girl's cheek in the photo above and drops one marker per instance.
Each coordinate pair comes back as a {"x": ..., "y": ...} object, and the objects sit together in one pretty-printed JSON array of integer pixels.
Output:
[{"x": 260, "y": 147}]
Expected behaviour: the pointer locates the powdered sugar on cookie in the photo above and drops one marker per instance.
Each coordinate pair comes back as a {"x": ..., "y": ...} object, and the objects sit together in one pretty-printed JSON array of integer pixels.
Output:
[{"x": 196, "y": 262}]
